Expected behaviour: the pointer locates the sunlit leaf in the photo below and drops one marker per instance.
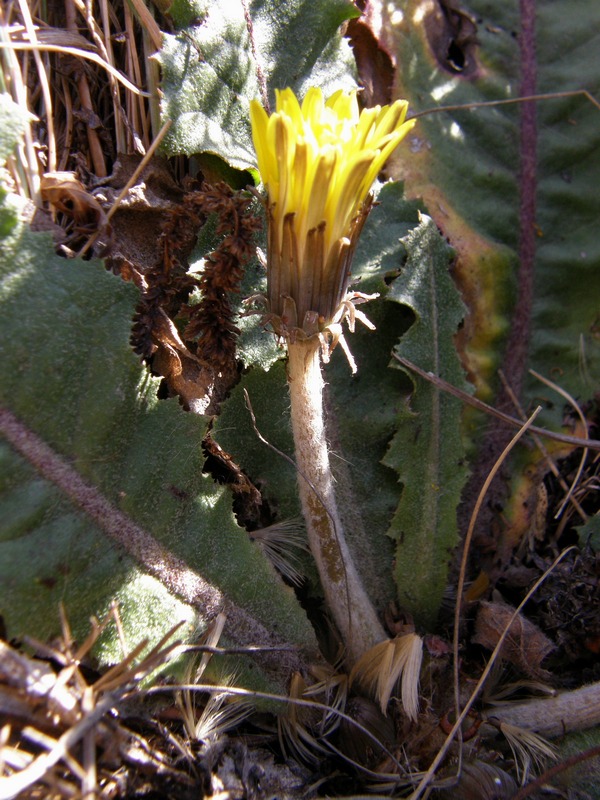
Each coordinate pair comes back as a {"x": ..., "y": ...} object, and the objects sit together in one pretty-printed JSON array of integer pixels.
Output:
[
  {"x": 71, "y": 380},
  {"x": 466, "y": 165},
  {"x": 223, "y": 59}
]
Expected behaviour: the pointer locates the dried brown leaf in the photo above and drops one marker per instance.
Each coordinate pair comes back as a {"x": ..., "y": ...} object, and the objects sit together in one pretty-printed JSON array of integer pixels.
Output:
[
  {"x": 68, "y": 195},
  {"x": 525, "y": 645}
]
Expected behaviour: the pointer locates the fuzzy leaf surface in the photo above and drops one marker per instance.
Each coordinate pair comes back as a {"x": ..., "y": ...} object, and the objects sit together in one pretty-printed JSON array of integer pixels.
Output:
[
  {"x": 215, "y": 66},
  {"x": 427, "y": 450},
  {"x": 14, "y": 121},
  {"x": 71, "y": 379}
]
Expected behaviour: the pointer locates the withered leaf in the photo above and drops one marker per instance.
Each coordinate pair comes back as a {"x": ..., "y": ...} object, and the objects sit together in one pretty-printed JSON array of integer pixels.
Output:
[
  {"x": 68, "y": 195},
  {"x": 525, "y": 645},
  {"x": 189, "y": 376}
]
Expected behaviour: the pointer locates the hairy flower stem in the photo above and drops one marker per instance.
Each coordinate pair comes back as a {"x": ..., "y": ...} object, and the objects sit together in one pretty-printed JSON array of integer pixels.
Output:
[{"x": 344, "y": 593}]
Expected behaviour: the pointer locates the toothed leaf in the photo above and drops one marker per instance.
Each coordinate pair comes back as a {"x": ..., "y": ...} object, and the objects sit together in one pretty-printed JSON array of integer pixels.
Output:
[{"x": 427, "y": 451}]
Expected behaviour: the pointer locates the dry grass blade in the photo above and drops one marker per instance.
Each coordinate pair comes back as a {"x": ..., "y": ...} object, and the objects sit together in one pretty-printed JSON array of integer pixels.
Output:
[
  {"x": 571, "y": 400},
  {"x": 148, "y": 22},
  {"x": 299, "y": 725},
  {"x": 131, "y": 182},
  {"x": 219, "y": 715},
  {"x": 60, "y": 75},
  {"x": 44, "y": 83},
  {"x": 332, "y": 686},
  {"x": 457, "y": 727},
  {"x": 12, "y": 785},
  {"x": 467, "y": 544},
  {"x": 79, "y": 53},
  {"x": 25, "y": 166},
  {"x": 221, "y": 712},
  {"x": 483, "y": 678},
  {"x": 381, "y": 667},
  {"x": 511, "y": 101},
  {"x": 67, "y": 703},
  {"x": 38, "y": 681},
  {"x": 216, "y": 717},
  {"x": 52, "y": 36},
  {"x": 544, "y": 451},
  {"x": 501, "y": 694},
  {"x": 311, "y": 705},
  {"x": 576, "y": 441},
  {"x": 530, "y": 751},
  {"x": 280, "y": 543}
]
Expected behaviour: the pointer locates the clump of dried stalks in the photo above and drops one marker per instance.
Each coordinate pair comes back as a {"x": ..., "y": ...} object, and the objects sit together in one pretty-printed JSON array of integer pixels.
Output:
[
  {"x": 64, "y": 733},
  {"x": 88, "y": 78}
]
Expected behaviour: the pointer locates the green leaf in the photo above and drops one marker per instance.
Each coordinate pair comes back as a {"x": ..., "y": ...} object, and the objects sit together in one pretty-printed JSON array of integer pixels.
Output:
[
  {"x": 584, "y": 776},
  {"x": 214, "y": 68},
  {"x": 565, "y": 313},
  {"x": 427, "y": 451},
  {"x": 233, "y": 430},
  {"x": 463, "y": 164},
  {"x": 589, "y": 533},
  {"x": 153, "y": 526},
  {"x": 13, "y": 121},
  {"x": 466, "y": 165}
]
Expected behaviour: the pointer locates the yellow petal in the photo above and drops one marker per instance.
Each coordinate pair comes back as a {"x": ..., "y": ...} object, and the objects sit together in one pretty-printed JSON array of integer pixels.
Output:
[
  {"x": 259, "y": 121},
  {"x": 318, "y": 161}
]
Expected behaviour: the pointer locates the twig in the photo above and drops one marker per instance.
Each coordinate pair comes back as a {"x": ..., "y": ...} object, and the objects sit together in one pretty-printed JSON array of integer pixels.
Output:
[
  {"x": 569, "y": 762},
  {"x": 140, "y": 168},
  {"x": 12, "y": 785},
  {"x": 509, "y": 102},
  {"x": 260, "y": 74},
  {"x": 438, "y": 759},
  {"x": 27, "y": 163},
  {"x": 466, "y": 547},
  {"x": 148, "y": 23},
  {"x": 281, "y": 454},
  {"x": 45, "y": 85},
  {"x": 85, "y": 98},
  {"x": 576, "y": 441},
  {"x": 576, "y": 710},
  {"x": 543, "y": 449},
  {"x": 79, "y": 53},
  {"x": 462, "y": 715},
  {"x": 571, "y": 400},
  {"x": 102, "y": 37}
]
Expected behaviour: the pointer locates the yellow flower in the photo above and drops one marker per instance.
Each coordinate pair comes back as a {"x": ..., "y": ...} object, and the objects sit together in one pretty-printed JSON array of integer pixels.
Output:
[{"x": 318, "y": 162}]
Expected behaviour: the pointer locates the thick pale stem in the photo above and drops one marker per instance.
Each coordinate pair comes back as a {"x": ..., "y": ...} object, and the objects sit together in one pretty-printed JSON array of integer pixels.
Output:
[
  {"x": 344, "y": 593},
  {"x": 577, "y": 710}
]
